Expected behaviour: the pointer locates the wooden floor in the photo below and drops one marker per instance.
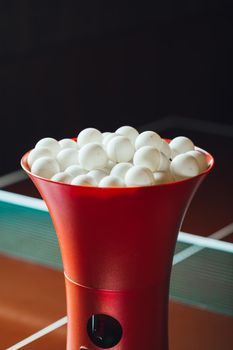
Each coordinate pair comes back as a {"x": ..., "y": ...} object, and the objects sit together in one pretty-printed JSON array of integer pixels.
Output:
[{"x": 32, "y": 297}]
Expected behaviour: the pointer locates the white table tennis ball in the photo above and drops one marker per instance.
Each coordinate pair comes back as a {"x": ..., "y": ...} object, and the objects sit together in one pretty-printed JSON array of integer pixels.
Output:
[
  {"x": 75, "y": 170},
  {"x": 111, "y": 181},
  {"x": 109, "y": 166},
  {"x": 120, "y": 149},
  {"x": 164, "y": 163},
  {"x": 89, "y": 135},
  {"x": 67, "y": 157},
  {"x": 139, "y": 176},
  {"x": 84, "y": 180},
  {"x": 62, "y": 177},
  {"x": 148, "y": 138},
  {"x": 181, "y": 144},
  {"x": 50, "y": 143},
  {"x": 200, "y": 158},
  {"x": 165, "y": 148},
  {"x": 129, "y": 132},
  {"x": 45, "y": 167},
  {"x": 38, "y": 153},
  {"x": 173, "y": 154},
  {"x": 93, "y": 156},
  {"x": 97, "y": 174},
  {"x": 120, "y": 170},
  {"x": 67, "y": 143},
  {"x": 148, "y": 157},
  {"x": 162, "y": 177},
  {"x": 106, "y": 133},
  {"x": 184, "y": 166},
  {"x": 108, "y": 138}
]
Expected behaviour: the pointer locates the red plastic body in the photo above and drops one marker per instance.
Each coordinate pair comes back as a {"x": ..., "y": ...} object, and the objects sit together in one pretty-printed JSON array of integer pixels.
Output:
[{"x": 117, "y": 246}]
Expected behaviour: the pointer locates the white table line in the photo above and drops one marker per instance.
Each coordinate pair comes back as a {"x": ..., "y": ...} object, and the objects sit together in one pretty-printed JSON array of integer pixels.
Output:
[
  {"x": 12, "y": 178},
  {"x": 210, "y": 242},
  {"x": 199, "y": 243},
  {"x": 22, "y": 200},
  {"x": 61, "y": 322}
]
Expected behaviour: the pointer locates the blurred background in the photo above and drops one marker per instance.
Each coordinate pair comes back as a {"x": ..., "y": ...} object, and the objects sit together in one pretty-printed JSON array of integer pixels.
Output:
[
  {"x": 69, "y": 65},
  {"x": 156, "y": 65}
]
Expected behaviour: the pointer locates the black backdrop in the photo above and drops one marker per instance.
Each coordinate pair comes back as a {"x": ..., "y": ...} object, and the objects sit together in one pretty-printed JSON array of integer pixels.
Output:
[{"x": 68, "y": 65}]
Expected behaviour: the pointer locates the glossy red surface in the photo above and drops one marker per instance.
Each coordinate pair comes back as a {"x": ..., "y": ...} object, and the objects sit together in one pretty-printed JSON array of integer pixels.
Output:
[
  {"x": 141, "y": 312},
  {"x": 117, "y": 245}
]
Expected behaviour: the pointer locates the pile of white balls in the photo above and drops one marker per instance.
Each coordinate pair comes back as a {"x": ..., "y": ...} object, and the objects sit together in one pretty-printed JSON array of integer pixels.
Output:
[{"x": 116, "y": 159}]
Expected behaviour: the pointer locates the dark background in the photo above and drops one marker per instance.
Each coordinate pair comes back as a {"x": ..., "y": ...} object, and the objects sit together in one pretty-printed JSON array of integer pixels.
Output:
[{"x": 68, "y": 65}]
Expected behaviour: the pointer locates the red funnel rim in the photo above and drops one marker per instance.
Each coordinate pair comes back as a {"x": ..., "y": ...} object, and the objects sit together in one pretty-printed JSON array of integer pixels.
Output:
[{"x": 209, "y": 157}]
